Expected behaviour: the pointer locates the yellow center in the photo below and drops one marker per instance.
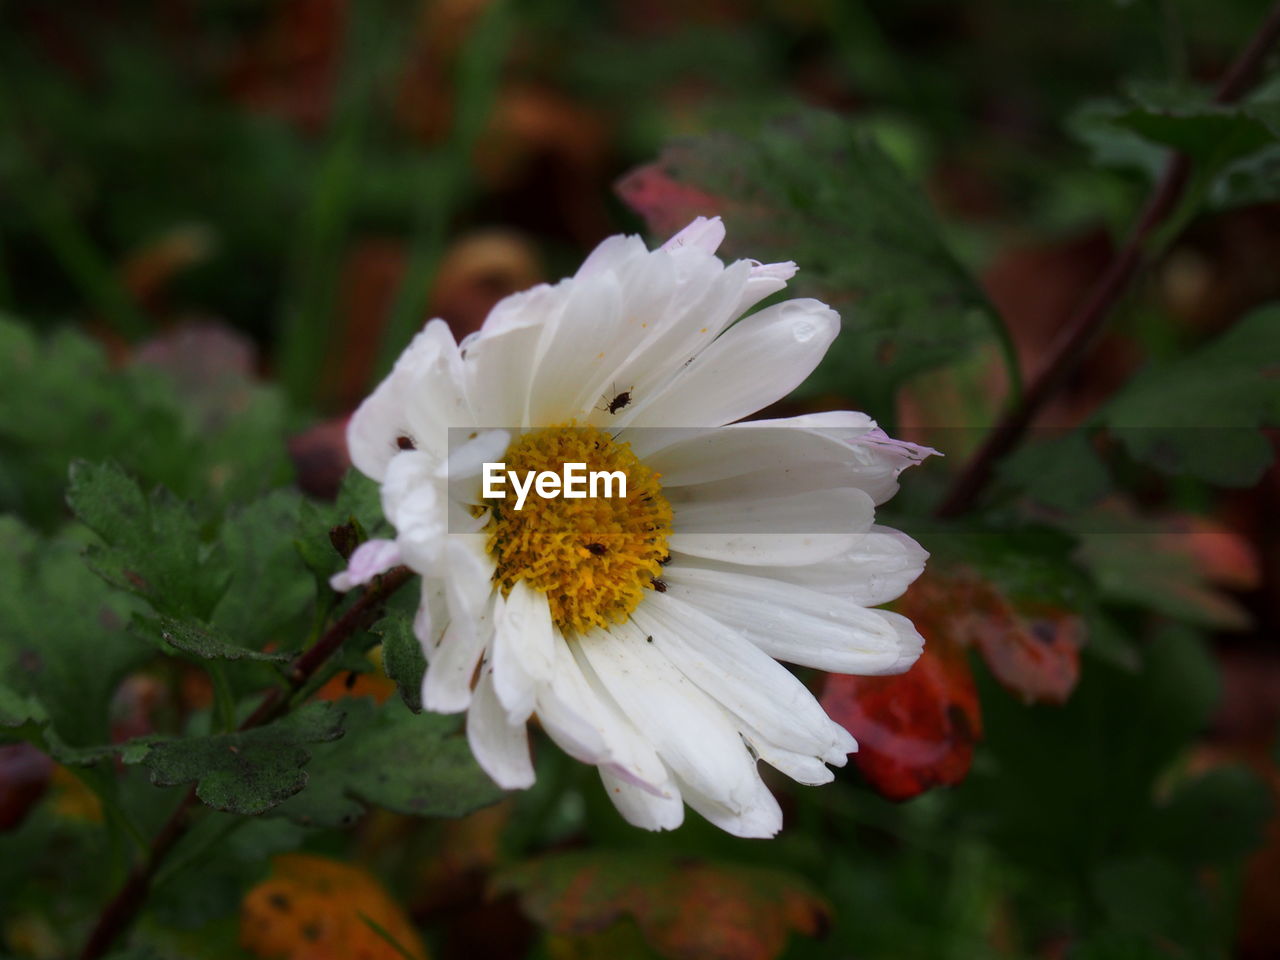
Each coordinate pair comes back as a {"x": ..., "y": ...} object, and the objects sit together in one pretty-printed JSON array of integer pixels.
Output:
[{"x": 593, "y": 557}]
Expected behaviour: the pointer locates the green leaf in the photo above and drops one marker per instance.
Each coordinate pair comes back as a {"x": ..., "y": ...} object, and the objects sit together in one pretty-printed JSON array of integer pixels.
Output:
[
  {"x": 391, "y": 758},
  {"x": 1059, "y": 789},
  {"x": 152, "y": 546},
  {"x": 402, "y": 658},
  {"x": 1134, "y": 566},
  {"x": 270, "y": 587},
  {"x": 359, "y": 504},
  {"x": 177, "y": 418},
  {"x": 199, "y": 640},
  {"x": 1063, "y": 471},
  {"x": 815, "y": 189},
  {"x": 246, "y": 772},
  {"x": 1217, "y": 818},
  {"x": 63, "y": 642},
  {"x": 20, "y": 715},
  {"x": 1136, "y": 132},
  {"x": 1200, "y": 415}
]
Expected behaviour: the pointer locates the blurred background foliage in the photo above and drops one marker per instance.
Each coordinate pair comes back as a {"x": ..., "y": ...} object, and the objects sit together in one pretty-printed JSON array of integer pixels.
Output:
[{"x": 221, "y": 220}]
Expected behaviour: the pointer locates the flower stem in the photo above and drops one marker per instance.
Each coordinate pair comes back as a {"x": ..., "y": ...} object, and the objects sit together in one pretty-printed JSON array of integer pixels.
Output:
[
  {"x": 1080, "y": 332},
  {"x": 120, "y": 913}
]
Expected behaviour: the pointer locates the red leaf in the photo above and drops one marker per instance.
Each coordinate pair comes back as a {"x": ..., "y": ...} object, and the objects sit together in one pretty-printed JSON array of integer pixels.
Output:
[
  {"x": 915, "y": 731},
  {"x": 665, "y": 204}
]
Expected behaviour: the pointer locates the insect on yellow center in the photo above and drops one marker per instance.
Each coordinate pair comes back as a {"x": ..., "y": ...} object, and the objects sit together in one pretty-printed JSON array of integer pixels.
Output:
[{"x": 593, "y": 556}]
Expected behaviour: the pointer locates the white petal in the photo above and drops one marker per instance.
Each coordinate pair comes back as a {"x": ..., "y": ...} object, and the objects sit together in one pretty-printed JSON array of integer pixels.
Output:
[
  {"x": 641, "y": 808},
  {"x": 705, "y": 233},
  {"x": 701, "y": 306},
  {"x": 796, "y": 624},
  {"x": 835, "y": 510},
  {"x": 747, "y": 682},
  {"x": 877, "y": 568},
  {"x": 766, "y": 279},
  {"x": 753, "y": 364},
  {"x": 694, "y": 736},
  {"x": 370, "y": 559},
  {"x": 579, "y": 715},
  {"x": 761, "y": 548},
  {"x": 686, "y": 455},
  {"x": 754, "y": 815},
  {"x": 611, "y": 255},
  {"x": 500, "y": 747},
  {"x": 431, "y": 617},
  {"x": 446, "y": 686},
  {"x": 576, "y": 348},
  {"x": 523, "y": 651},
  {"x": 500, "y": 359},
  {"x": 414, "y": 500},
  {"x": 800, "y": 767},
  {"x": 419, "y": 399}
]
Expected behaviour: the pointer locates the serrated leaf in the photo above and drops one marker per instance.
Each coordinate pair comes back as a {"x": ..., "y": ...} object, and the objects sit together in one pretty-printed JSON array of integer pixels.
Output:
[
  {"x": 269, "y": 586},
  {"x": 1150, "y": 564},
  {"x": 1200, "y": 415},
  {"x": 249, "y": 771},
  {"x": 402, "y": 658},
  {"x": 359, "y": 503},
  {"x": 391, "y": 758},
  {"x": 63, "y": 642},
  {"x": 817, "y": 190},
  {"x": 1062, "y": 471},
  {"x": 199, "y": 640},
  {"x": 151, "y": 545},
  {"x": 61, "y": 400},
  {"x": 1233, "y": 148},
  {"x": 20, "y": 714}
]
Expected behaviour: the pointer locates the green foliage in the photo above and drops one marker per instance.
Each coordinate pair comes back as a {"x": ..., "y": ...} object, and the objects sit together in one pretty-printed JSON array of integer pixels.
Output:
[
  {"x": 64, "y": 401},
  {"x": 817, "y": 190},
  {"x": 1137, "y": 134},
  {"x": 1200, "y": 414},
  {"x": 247, "y": 772},
  {"x": 199, "y": 640},
  {"x": 355, "y": 516},
  {"x": 1061, "y": 471},
  {"x": 391, "y": 758},
  {"x": 152, "y": 545},
  {"x": 63, "y": 642},
  {"x": 402, "y": 658},
  {"x": 318, "y": 161}
]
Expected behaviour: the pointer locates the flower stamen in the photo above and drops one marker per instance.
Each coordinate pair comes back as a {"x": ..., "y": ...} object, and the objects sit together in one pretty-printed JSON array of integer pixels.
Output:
[{"x": 593, "y": 557}]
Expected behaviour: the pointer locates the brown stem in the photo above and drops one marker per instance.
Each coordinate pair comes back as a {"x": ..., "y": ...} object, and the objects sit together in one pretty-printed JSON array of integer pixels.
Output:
[
  {"x": 1072, "y": 344},
  {"x": 119, "y": 914}
]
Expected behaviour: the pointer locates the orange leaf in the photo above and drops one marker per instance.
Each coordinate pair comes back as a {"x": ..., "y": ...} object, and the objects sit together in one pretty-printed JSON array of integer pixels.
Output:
[
  {"x": 685, "y": 910},
  {"x": 313, "y": 908},
  {"x": 1032, "y": 648}
]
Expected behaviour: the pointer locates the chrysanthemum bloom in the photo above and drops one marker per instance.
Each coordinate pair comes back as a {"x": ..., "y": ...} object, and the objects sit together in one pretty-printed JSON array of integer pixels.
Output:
[{"x": 643, "y": 632}]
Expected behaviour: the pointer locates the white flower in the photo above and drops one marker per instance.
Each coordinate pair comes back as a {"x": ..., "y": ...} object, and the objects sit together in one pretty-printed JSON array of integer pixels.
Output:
[{"x": 643, "y": 632}]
